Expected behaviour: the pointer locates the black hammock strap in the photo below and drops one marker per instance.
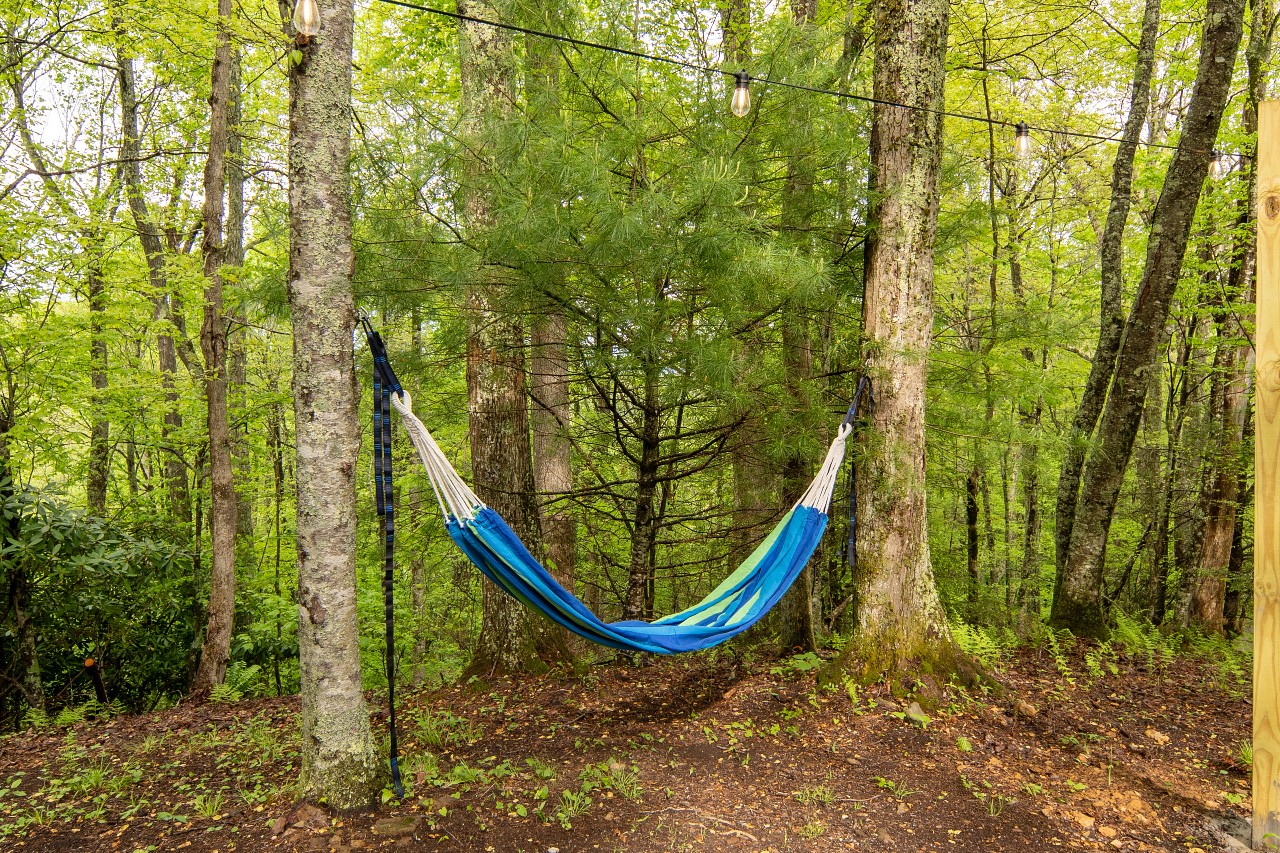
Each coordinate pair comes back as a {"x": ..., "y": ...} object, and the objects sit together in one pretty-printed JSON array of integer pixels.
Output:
[
  {"x": 385, "y": 384},
  {"x": 855, "y": 420}
]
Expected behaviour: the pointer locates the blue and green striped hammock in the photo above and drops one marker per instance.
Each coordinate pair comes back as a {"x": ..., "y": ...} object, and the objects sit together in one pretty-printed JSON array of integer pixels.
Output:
[{"x": 741, "y": 600}]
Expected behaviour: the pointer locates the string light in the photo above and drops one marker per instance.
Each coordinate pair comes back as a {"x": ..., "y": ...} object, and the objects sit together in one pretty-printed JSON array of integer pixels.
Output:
[
  {"x": 1022, "y": 140},
  {"x": 693, "y": 66},
  {"x": 740, "y": 105},
  {"x": 306, "y": 18},
  {"x": 1217, "y": 166}
]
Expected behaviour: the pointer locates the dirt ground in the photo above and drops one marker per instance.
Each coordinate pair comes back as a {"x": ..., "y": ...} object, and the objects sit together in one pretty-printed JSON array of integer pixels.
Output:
[{"x": 699, "y": 753}]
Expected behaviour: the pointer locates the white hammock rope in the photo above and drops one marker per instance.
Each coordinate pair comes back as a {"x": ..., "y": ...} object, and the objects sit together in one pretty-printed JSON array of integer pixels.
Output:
[
  {"x": 818, "y": 495},
  {"x": 455, "y": 497},
  {"x": 458, "y": 502}
]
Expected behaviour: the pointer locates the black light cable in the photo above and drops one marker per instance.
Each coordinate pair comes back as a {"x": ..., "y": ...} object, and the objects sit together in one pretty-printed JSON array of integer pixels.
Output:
[{"x": 1022, "y": 138}]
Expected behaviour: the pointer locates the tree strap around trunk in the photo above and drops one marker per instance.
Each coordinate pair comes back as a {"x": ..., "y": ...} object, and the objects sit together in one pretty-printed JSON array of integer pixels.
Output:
[{"x": 385, "y": 384}]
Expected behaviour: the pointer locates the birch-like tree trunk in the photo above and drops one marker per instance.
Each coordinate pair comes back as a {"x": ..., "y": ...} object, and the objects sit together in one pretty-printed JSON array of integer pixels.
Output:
[
  {"x": 899, "y": 622},
  {"x": 339, "y": 764},
  {"x": 1077, "y": 601},
  {"x": 216, "y": 651}
]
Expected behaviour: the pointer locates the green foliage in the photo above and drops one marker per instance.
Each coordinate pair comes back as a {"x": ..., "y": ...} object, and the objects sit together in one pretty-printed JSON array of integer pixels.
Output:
[
  {"x": 442, "y": 729},
  {"x": 241, "y": 681},
  {"x": 987, "y": 645},
  {"x": 97, "y": 590},
  {"x": 1145, "y": 641},
  {"x": 819, "y": 795},
  {"x": 797, "y": 665}
]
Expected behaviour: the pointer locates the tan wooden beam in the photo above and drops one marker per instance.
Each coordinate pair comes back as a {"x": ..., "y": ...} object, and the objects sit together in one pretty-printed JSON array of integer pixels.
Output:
[{"x": 1266, "y": 571}]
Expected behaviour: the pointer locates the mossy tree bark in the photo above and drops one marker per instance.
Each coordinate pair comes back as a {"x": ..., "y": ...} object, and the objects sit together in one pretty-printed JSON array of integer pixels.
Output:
[
  {"x": 1111, "y": 266},
  {"x": 339, "y": 764},
  {"x": 1078, "y": 600},
  {"x": 1222, "y": 496},
  {"x": 899, "y": 622}
]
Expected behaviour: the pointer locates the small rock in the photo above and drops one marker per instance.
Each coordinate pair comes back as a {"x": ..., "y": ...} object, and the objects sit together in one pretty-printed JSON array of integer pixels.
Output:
[
  {"x": 917, "y": 715},
  {"x": 1107, "y": 831},
  {"x": 280, "y": 824},
  {"x": 1024, "y": 708},
  {"x": 308, "y": 816},
  {"x": 1083, "y": 819},
  {"x": 390, "y": 826},
  {"x": 887, "y": 704}
]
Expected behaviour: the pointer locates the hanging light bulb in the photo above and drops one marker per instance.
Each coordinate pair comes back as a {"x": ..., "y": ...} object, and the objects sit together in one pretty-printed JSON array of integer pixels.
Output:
[
  {"x": 741, "y": 103},
  {"x": 306, "y": 18},
  {"x": 1217, "y": 165},
  {"x": 1022, "y": 140}
]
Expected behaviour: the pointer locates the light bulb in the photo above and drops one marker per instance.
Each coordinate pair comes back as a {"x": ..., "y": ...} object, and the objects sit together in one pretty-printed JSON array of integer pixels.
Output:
[
  {"x": 306, "y": 18},
  {"x": 741, "y": 103},
  {"x": 1022, "y": 140},
  {"x": 1217, "y": 166}
]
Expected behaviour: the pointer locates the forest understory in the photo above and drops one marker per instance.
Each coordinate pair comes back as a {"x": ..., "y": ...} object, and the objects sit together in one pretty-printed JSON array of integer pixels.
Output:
[{"x": 1083, "y": 747}]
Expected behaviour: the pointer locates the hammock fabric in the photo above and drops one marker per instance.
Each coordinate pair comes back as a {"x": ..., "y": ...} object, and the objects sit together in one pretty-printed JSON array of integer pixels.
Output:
[{"x": 741, "y": 600}]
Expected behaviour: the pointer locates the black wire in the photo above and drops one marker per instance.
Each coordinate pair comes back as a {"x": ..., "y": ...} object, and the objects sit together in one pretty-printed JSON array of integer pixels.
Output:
[{"x": 458, "y": 16}]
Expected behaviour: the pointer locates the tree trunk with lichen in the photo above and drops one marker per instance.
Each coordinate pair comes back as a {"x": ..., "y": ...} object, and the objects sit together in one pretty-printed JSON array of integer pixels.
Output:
[
  {"x": 339, "y": 763},
  {"x": 899, "y": 622},
  {"x": 1077, "y": 600},
  {"x": 512, "y": 639},
  {"x": 1232, "y": 377}
]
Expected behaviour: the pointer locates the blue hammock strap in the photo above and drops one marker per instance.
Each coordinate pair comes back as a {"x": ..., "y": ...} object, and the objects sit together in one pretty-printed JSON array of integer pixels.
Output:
[
  {"x": 854, "y": 419},
  {"x": 384, "y": 383}
]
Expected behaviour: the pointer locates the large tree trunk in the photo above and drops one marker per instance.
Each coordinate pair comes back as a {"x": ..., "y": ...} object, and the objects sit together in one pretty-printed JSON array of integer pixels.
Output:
[
  {"x": 899, "y": 620},
  {"x": 1232, "y": 375},
  {"x": 339, "y": 764},
  {"x": 216, "y": 652},
  {"x": 553, "y": 475},
  {"x": 1111, "y": 316},
  {"x": 512, "y": 639},
  {"x": 549, "y": 339},
  {"x": 795, "y": 620},
  {"x": 1077, "y": 602}
]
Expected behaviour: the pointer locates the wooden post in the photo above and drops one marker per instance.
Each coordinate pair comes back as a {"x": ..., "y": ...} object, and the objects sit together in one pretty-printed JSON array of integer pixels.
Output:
[{"x": 1266, "y": 571}]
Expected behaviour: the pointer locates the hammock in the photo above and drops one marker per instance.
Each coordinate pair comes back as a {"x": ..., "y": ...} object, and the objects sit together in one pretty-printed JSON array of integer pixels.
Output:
[{"x": 740, "y": 601}]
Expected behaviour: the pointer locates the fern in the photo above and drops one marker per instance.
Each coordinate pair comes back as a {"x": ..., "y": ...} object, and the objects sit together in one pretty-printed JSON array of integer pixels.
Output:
[
  {"x": 241, "y": 681},
  {"x": 988, "y": 646}
]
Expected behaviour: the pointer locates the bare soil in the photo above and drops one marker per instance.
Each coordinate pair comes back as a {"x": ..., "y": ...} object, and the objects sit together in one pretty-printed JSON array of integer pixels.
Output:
[{"x": 706, "y": 752}]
